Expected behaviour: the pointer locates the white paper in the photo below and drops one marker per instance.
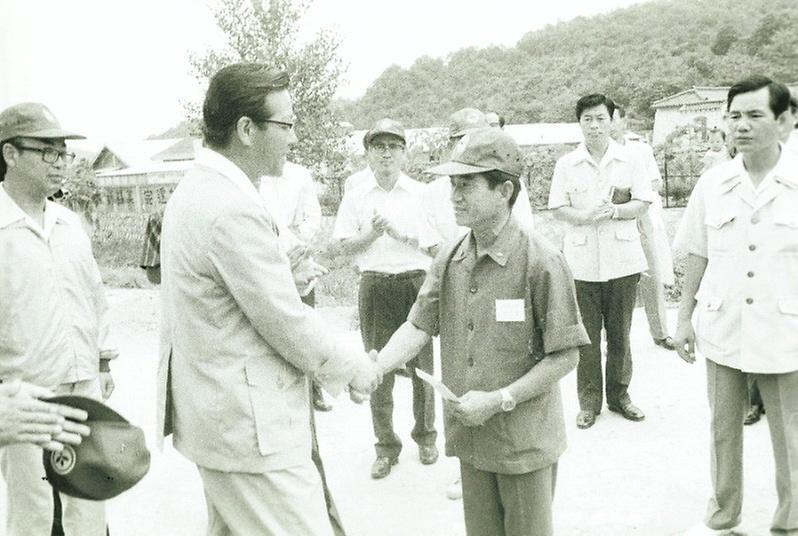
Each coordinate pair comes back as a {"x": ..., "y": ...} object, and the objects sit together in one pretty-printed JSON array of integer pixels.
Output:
[
  {"x": 437, "y": 385},
  {"x": 510, "y": 311}
]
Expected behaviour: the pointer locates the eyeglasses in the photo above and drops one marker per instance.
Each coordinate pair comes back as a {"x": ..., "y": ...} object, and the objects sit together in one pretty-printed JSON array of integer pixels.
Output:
[
  {"x": 287, "y": 125},
  {"x": 380, "y": 147},
  {"x": 49, "y": 155}
]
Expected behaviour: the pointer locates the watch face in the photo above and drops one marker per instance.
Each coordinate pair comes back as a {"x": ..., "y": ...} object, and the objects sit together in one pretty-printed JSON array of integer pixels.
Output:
[{"x": 508, "y": 405}]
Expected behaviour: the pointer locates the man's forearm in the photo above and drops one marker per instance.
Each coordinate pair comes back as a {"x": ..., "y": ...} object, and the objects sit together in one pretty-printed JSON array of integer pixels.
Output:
[
  {"x": 359, "y": 242},
  {"x": 693, "y": 273},
  {"x": 572, "y": 215},
  {"x": 631, "y": 209},
  {"x": 404, "y": 345},
  {"x": 542, "y": 376}
]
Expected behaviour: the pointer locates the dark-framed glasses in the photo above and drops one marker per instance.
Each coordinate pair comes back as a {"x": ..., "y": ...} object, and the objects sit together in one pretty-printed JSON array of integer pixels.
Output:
[
  {"x": 287, "y": 125},
  {"x": 390, "y": 146},
  {"x": 50, "y": 155}
]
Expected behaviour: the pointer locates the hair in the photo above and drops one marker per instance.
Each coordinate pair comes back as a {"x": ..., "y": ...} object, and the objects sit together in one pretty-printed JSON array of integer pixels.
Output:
[
  {"x": 236, "y": 91},
  {"x": 496, "y": 178},
  {"x": 716, "y": 130},
  {"x": 591, "y": 101},
  {"x": 501, "y": 121},
  {"x": 779, "y": 94},
  {"x": 794, "y": 110}
]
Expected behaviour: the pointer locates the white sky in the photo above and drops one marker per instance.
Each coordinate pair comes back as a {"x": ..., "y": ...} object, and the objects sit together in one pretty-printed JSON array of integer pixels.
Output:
[{"x": 118, "y": 69}]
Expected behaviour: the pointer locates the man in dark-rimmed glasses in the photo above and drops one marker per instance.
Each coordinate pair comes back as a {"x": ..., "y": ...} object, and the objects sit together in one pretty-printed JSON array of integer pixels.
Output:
[{"x": 52, "y": 307}]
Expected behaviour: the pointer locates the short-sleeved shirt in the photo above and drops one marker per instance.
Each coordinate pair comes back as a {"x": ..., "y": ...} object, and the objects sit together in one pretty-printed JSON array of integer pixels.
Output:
[
  {"x": 440, "y": 212},
  {"x": 608, "y": 249},
  {"x": 53, "y": 325},
  {"x": 402, "y": 206},
  {"x": 498, "y": 316},
  {"x": 747, "y": 303},
  {"x": 293, "y": 203}
]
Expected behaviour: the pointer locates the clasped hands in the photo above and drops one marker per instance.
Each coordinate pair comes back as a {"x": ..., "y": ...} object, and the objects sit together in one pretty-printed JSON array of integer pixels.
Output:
[
  {"x": 474, "y": 407},
  {"x": 383, "y": 225},
  {"x": 603, "y": 211},
  {"x": 367, "y": 379},
  {"x": 304, "y": 269}
]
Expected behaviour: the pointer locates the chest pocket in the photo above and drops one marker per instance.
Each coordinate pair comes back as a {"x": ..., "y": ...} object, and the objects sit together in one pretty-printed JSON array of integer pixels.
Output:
[
  {"x": 580, "y": 196},
  {"x": 785, "y": 222},
  {"x": 721, "y": 224}
]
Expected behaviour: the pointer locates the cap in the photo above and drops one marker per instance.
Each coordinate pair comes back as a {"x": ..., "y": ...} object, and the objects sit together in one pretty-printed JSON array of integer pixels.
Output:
[
  {"x": 33, "y": 120},
  {"x": 481, "y": 150},
  {"x": 385, "y": 126},
  {"x": 463, "y": 121},
  {"x": 109, "y": 461}
]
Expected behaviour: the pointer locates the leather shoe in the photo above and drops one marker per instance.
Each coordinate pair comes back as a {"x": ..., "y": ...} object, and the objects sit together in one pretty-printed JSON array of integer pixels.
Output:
[
  {"x": 628, "y": 411},
  {"x": 754, "y": 414},
  {"x": 428, "y": 454},
  {"x": 382, "y": 466},
  {"x": 585, "y": 419},
  {"x": 665, "y": 342}
]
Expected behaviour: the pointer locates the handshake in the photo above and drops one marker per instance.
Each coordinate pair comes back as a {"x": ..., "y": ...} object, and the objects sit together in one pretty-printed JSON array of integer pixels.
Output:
[{"x": 367, "y": 378}]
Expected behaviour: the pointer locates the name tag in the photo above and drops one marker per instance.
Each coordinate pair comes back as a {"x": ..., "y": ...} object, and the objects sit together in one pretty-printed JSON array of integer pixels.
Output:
[{"x": 510, "y": 311}]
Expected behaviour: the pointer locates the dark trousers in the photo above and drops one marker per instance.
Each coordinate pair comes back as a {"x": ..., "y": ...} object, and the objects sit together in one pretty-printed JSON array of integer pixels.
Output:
[
  {"x": 496, "y": 504},
  {"x": 332, "y": 511},
  {"x": 384, "y": 302},
  {"x": 609, "y": 304}
]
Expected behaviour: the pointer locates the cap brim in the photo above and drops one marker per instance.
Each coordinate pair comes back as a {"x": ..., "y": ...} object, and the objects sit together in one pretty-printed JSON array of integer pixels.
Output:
[
  {"x": 456, "y": 168},
  {"x": 97, "y": 410},
  {"x": 54, "y": 133}
]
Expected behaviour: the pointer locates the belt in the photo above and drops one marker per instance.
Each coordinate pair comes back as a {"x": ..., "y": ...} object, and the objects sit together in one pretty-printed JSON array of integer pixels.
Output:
[{"x": 402, "y": 275}]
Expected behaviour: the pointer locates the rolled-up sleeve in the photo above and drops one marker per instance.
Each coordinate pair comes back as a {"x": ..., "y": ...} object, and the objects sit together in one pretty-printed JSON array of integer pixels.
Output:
[
  {"x": 641, "y": 182},
  {"x": 346, "y": 224},
  {"x": 554, "y": 306}
]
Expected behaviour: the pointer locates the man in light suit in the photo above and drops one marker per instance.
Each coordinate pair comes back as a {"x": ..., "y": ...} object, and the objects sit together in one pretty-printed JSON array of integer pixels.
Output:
[{"x": 237, "y": 344}]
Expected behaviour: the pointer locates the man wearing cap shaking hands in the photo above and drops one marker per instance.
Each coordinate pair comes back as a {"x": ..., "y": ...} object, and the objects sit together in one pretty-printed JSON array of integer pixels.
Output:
[{"x": 503, "y": 302}]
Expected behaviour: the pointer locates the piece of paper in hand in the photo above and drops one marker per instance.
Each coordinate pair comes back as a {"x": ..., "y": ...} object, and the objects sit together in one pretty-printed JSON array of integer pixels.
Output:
[{"x": 437, "y": 385}]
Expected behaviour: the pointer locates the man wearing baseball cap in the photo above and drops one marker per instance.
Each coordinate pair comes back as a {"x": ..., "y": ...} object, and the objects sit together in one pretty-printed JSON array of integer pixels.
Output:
[
  {"x": 52, "y": 304},
  {"x": 504, "y": 305},
  {"x": 437, "y": 201},
  {"x": 382, "y": 224}
]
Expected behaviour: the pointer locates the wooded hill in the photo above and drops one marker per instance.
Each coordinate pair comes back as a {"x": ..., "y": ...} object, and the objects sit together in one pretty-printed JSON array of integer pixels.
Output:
[{"x": 635, "y": 55}]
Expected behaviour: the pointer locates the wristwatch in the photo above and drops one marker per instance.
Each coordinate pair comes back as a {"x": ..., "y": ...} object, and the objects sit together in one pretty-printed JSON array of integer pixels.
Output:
[{"x": 508, "y": 402}]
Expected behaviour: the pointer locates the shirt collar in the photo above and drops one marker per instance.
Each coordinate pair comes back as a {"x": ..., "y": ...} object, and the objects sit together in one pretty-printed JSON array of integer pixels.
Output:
[
  {"x": 784, "y": 172},
  {"x": 402, "y": 182},
  {"x": 10, "y": 213},
  {"x": 500, "y": 250},
  {"x": 221, "y": 164},
  {"x": 615, "y": 151}
]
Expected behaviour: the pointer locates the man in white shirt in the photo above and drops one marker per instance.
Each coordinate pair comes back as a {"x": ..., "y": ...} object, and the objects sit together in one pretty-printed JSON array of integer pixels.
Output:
[
  {"x": 437, "y": 200},
  {"x": 382, "y": 224},
  {"x": 740, "y": 231},
  {"x": 599, "y": 190},
  {"x": 291, "y": 199}
]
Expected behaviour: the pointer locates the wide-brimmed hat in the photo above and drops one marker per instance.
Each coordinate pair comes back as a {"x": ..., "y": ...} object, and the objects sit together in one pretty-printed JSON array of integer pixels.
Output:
[
  {"x": 32, "y": 120},
  {"x": 481, "y": 150},
  {"x": 112, "y": 459}
]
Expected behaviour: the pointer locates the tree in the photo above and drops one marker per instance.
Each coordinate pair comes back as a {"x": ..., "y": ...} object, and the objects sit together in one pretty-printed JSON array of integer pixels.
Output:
[
  {"x": 265, "y": 31},
  {"x": 81, "y": 192},
  {"x": 724, "y": 40}
]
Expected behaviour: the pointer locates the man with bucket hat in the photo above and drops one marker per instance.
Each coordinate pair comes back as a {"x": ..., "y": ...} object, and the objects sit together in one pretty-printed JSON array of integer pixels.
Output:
[
  {"x": 504, "y": 305},
  {"x": 52, "y": 304}
]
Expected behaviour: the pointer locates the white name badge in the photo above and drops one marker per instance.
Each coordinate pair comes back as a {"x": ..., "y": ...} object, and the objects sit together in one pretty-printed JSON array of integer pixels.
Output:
[{"x": 510, "y": 311}]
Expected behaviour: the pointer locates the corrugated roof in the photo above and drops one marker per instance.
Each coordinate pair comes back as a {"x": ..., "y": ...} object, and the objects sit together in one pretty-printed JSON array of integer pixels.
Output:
[{"x": 702, "y": 94}]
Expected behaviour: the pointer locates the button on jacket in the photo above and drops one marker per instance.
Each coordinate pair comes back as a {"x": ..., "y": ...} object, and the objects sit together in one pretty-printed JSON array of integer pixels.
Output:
[
  {"x": 483, "y": 347},
  {"x": 747, "y": 304},
  {"x": 53, "y": 322},
  {"x": 609, "y": 249}
]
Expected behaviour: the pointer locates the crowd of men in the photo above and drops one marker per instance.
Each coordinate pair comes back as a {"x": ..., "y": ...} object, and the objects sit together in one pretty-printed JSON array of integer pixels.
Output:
[{"x": 244, "y": 356}]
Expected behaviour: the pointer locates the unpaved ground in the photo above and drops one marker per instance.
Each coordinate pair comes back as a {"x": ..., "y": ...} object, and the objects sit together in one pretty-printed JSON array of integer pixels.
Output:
[{"x": 616, "y": 479}]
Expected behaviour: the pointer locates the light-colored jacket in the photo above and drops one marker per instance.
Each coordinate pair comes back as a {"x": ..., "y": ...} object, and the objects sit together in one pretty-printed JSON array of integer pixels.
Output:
[{"x": 236, "y": 341}]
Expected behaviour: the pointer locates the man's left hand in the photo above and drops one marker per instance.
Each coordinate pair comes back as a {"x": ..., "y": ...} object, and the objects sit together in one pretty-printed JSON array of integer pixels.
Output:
[
  {"x": 476, "y": 407},
  {"x": 106, "y": 385}
]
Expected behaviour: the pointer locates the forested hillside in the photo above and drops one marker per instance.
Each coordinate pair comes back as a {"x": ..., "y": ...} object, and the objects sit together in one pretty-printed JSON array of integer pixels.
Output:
[{"x": 636, "y": 55}]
